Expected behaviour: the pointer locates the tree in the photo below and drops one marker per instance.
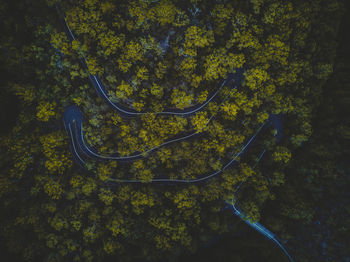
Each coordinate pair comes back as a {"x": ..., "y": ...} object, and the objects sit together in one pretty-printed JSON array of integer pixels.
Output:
[{"x": 54, "y": 209}]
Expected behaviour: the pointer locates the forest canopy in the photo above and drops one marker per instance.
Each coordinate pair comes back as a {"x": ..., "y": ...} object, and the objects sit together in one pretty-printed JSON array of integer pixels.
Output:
[{"x": 152, "y": 56}]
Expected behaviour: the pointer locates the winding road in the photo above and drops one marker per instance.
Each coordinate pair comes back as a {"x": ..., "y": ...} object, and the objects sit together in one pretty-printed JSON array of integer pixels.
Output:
[
  {"x": 73, "y": 120},
  {"x": 129, "y": 112},
  {"x": 261, "y": 229},
  {"x": 276, "y": 121}
]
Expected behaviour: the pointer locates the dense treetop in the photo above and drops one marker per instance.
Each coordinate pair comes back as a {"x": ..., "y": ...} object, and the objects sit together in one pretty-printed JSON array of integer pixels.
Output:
[{"x": 153, "y": 55}]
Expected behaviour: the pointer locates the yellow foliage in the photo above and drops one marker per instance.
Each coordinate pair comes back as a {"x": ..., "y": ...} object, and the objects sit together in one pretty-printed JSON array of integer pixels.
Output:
[
  {"x": 104, "y": 170},
  {"x": 188, "y": 65},
  {"x": 254, "y": 78},
  {"x": 75, "y": 44},
  {"x": 53, "y": 189},
  {"x": 276, "y": 50},
  {"x": 78, "y": 100},
  {"x": 124, "y": 65},
  {"x": 162, "y": 242},
  {"x": 58, "y": 222},
  {"x": 76, "y": 225},
  {"x": 93, "y": 67},
  {"x": 45, "y": 111},
  {"x": 215, "y": 65},
  {"x": 164, "y": 12},
  {"x": 221, "y": 15},
  {"x": 222, "y": 12},
  {"x": 202, "y": 97},
  {"x": 106, "y": 196},
  {"x": 243, "y": 39},
  {"x": 282, "y": 154},
  {"x": 117, "y": 225},
  {"x": 262, "y": 117},
  {"x": 110, "y": 43},
  {"x": 138, "y": 105},
  {"x": 230, "y": 109},
  {"x": 116, "y": 119},
  {"x": 184, "y": 200},
  {"x": 133, "y": 51},
  {"x": 107, "y": 7},
  {"x": 89, "y": 187},
  {"x": 180, "y": 99},
  {"x": 124, "y": 90},
  {"x": 157, "y": 90},
  {"x": 196, "y": 79},
  {"x": 90, "y": 234},
  {"x": 60, "y": 42},
  {"x": 111, "y": 246},
  {"x": 27, "y": 93},
  {"x": 181, "y": 19},
  {"x": 164, "y": 154},
  {"x": 252, "y": 211},
  {"x": 138, "y": 9},
  {"x": 160, "y": 70},
  {"x": 234, "y": 61},
  {"x": 277, "y": 11},
  {"x": 200, "y": 121},
  {"x": 76, "y": 181},
  {"x": 51, "y": 240},
  {"x": 198, "y": 37},
  {"x": 56, "y": 160},
  {"x": 142, "y": 73},
  {"x": 257, "y": 5},
  {"x": 189, "y": 51},
  {"x": 139, "y": 199}
]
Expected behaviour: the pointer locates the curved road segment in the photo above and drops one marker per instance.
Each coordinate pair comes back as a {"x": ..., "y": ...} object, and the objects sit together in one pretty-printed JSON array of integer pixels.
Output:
[
  {"x": 73, "y": 124},
  {"x": 129, "y": 112},
  {"x": 276, "y": 121},
  {"x": 72, "y": 119},
  {"x": 262, "y": 230}
]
